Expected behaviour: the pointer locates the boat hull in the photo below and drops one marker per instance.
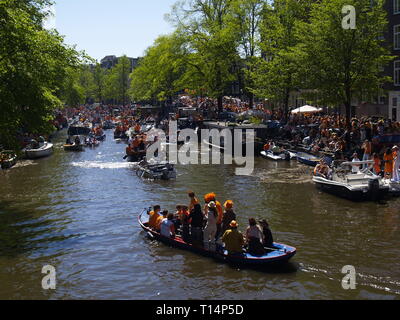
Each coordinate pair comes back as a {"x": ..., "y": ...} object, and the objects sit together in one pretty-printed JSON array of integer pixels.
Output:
[
  {"x": 282, "y": 255},
  {"x": 76, "y": 148},
  {"x": 353, "y": 195},
  {"x": 42, "y": 152}
]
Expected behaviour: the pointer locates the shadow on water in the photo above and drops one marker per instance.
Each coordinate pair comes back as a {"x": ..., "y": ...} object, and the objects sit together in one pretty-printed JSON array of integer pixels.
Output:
[{"x": 21, "y": 232}]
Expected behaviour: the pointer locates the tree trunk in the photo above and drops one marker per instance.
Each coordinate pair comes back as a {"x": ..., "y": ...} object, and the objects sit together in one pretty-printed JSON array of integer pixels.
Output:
[
  {"x": 251, "y": 100},
  {"x": 220, "y": 105}
]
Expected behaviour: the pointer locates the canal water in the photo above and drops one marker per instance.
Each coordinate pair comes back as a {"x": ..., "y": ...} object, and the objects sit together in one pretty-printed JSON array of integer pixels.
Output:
[{"x": 78, "y": 212}]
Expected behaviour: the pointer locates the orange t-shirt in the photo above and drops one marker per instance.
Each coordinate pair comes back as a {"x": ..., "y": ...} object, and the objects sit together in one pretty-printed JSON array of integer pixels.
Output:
[
  {"x": 153, "y": 219},
  {"x": 389, "y": 162}
]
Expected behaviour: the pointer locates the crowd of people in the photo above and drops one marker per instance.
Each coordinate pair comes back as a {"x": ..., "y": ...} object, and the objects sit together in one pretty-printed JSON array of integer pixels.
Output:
[{"x": 212, "y": 226}]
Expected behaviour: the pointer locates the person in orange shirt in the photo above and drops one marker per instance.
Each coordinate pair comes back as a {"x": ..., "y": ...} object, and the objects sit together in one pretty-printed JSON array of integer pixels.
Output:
[
  {"x": 154, "y": 215},
  {"x": 160, "y": 219},
  {"x": 377, "y": 164},
  {"x": 193, "y": 200},
  {"x": 388, "y": 158}
]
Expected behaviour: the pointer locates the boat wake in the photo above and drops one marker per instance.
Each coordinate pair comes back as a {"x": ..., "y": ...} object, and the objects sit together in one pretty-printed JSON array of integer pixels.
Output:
[
  {"x": 386, "y": 284},
  {"x": 103, "y": 165},
  {"x": 297, "y": 175}
]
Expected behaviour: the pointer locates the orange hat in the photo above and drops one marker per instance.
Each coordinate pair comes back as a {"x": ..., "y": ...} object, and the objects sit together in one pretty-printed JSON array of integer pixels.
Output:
[
  {"x": 233, "y": 224},
  {"x": 210, "y": 197},
  {"x": 228, "y": 204}
]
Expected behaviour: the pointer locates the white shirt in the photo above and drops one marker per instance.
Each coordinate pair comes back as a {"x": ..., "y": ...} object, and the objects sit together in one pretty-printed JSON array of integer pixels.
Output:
[{"x": 166, "y": 228}]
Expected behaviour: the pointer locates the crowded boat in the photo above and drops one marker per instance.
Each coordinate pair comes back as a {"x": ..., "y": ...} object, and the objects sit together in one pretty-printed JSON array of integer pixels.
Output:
[{"x": 213, "y": 230}]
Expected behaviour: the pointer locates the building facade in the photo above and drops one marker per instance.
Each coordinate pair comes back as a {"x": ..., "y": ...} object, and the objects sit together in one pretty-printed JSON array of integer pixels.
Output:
[
  {"x": 109, "y": 62},
  {"x": 393, "y": 70}
]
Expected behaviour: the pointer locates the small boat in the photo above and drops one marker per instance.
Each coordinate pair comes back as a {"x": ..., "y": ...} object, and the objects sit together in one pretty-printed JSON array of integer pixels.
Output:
[
  {"x": 278, "y": 255},
  {"x": 361, "y": 186},
  {"x": 8, "y": 159},
  {"x": 276, "y": 157},
  {"x": 307, "y": 159},
  {"x": 108, "y": 125},
  {"x": 160, "y": 171},
  {"x": 73, "y": 147},
  {"x": 35, "y": 153},
  {"x": 92, "y": 143}
]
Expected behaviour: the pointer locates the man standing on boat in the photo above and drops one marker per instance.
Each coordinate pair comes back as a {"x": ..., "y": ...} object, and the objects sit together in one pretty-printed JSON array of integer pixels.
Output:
[{"x": 396, "y": 164}]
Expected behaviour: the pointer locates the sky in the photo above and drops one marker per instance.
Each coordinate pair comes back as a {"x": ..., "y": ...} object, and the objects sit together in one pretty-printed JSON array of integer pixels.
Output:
[{"x": 113, "y": 27}]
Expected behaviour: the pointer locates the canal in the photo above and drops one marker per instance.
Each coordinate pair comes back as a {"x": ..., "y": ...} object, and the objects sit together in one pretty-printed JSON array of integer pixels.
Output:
[{"x": 78, "y": 213}]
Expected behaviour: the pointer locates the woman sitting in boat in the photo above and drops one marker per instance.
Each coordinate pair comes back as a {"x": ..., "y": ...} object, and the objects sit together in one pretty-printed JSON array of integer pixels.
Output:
[
  {"x": 167, "y": 227},
  {"x": 233, "y": 239},
  {"x": 268, "y": 240},
  {"x": 254, "y": 239}
]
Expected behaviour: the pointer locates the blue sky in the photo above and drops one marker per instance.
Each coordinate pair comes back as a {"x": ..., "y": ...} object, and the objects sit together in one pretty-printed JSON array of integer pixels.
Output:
[{"x": 113, "y": 27}]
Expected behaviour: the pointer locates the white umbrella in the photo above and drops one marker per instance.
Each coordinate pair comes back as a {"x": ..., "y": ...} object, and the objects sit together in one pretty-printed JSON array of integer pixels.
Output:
[{"x": 306, "y": 109}]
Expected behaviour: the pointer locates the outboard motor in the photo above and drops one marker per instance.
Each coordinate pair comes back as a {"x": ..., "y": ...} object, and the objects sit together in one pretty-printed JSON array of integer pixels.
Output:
[{"x": 373, "y": 187}]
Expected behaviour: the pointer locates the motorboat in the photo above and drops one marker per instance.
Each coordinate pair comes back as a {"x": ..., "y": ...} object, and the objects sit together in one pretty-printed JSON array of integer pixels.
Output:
[
  {"x": 307, "y": 159},
  {"x": 284, "y": 155},
  {"x": 156, "y": 171},
  {"x": 44, "y": 150},
  {"x": 8, "y": 159},
  {"x": 344, "y": 182}
]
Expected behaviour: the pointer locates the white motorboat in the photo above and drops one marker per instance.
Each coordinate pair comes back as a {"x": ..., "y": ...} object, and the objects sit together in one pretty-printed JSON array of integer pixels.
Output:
[
  {"x": 361, "y": 186},
  {"x": 276, "y": 157},
  {"x": 158, "y": 171},
  {"x": 44, "y": 150}
]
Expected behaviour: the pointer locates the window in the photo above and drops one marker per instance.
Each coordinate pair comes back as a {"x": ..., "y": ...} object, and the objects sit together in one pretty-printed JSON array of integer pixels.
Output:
[
  {"x": 396, "y": 73},
  {"x": 394, "y": 102},
  {"x": 396, "y": 6},
  {"x": 396, "y": 37}
]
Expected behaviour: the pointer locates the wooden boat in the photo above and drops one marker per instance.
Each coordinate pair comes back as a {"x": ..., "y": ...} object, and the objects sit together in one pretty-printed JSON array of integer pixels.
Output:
[
  {"x": 8, "y": 159},
  {"x": 73, "y": 147},
  {"x": 43, "y": 151},
  {"x": 307, "y": 159},
  {"x": 281, "y": 253}
]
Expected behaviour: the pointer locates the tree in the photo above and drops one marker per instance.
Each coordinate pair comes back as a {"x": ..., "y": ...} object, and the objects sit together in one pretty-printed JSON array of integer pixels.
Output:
[
  {"x": 117, "y": 83},
  {"x": 160, "y": 71},
  {"x": 247, "y": 16},
  {"x": 99, "y": 80},
  {"x": 34, "y": 63},
  {"x": 274, "y": 74},
  {"x": 211, "y": 43},
  {"x": 343, "y": 64}
]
